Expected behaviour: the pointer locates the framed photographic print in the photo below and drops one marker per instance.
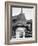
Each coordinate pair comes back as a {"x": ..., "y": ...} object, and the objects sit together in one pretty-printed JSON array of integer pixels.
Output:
[{"x": 20, "y": 22}]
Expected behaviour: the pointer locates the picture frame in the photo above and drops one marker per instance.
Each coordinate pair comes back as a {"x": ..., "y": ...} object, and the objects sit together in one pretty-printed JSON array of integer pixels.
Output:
[{"x": 8, "y": 21}]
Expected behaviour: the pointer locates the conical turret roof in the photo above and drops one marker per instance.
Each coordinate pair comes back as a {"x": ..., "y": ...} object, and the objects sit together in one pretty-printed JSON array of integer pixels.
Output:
[{"x": 20, "y": 19}]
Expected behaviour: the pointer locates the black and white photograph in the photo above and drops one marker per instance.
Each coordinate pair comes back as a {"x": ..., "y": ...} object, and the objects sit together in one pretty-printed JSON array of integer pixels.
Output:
[{"x": 21, "y": 23}]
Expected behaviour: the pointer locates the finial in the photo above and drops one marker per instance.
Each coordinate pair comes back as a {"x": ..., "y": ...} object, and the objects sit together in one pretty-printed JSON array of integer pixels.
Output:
[{"x": 21, "y": 10}]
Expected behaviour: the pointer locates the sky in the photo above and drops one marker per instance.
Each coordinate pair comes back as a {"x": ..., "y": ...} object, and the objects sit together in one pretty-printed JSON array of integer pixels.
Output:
[{"x": 28, "y": 12}]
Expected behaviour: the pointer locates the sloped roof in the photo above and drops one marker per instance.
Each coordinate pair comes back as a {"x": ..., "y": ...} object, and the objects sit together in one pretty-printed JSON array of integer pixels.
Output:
[{"x": 20, "y": 19}]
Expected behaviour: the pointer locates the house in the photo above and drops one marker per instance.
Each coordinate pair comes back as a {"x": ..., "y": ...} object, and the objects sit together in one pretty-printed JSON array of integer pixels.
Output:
[{"x": 20, "y": 27}]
